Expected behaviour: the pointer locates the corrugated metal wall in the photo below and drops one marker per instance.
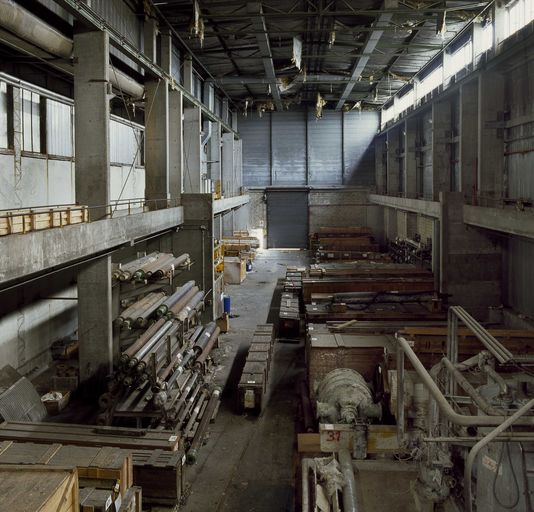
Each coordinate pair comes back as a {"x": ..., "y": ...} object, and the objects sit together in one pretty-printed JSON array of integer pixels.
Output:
[
  {"x": 427, "y": 162},
  {"x": 288, "y": 148},
  {"x": 256, "y": 136},
  {"x": 293, "y": 148},
  {"x": 359, "y": 130},
  {"x": 122, "y": 18},
  {"x": 325, "y": 149},
  {"x": 518, "y": 281},
  {"x": 519, "y": 150}
]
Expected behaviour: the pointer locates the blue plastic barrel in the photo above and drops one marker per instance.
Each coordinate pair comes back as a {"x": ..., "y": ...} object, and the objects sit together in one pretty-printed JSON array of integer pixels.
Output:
[{"x": 226, "y": 303}]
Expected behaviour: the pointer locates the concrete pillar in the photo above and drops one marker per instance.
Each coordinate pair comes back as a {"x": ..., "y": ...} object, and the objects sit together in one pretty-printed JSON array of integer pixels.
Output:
[
  {"x": 157, "y": 143},
  {"x": 94, "y": 319},
  {"x": 469, "y": 140},
  {"x": 176, "y": 144},
  {"x": 214, "y": 153},
  {"x": 393, "y": 162},
  {"x": 192, "y": 148},
  {"x": 150, "y": 32},
  {"x": 410, "y": 160},
  {"x": 188, "y": 74},
  {"x": 441, "y": 150},
  {"x": 470, "y": 262},
  {"x": 380, "y": 165},
  {"x": 91, "y": 101},
  {"x": 490, "y": 137},
  {"x": 166, "y": 52},
  {"x": 227, "y": 164}
]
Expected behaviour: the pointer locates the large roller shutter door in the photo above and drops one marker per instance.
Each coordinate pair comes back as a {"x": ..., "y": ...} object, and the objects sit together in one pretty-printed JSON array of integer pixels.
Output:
[{"x": 287, "y": 219}]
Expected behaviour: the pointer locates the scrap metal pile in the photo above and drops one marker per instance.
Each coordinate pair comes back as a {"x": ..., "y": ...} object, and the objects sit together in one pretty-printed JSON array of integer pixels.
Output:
[{"x": 406, "y": 250}]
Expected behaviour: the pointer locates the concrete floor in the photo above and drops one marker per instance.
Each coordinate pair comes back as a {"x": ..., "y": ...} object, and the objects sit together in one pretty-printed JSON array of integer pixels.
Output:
[{"x": 248, "y": 464}]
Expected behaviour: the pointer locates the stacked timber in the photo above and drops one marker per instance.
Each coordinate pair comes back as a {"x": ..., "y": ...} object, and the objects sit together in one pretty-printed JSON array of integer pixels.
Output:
[
  {"x": 156, "y": 474},
  {"x": 252, "y": 386},
  {"x": 343, "y": 243}
]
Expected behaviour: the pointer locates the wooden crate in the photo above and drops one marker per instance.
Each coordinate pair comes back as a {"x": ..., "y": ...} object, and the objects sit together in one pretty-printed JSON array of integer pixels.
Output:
[
  {"x": 95, "y": 500},
  {"x": 97, "y": 467},
  {"x": 235, "y": 270},
  {"x": 160, "y": 474},
  {"x": 250, "y": 392},
  {"x": 38, "y": 489}
]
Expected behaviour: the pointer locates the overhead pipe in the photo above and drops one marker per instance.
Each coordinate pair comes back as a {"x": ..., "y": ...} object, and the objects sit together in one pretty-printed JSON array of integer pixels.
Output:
[
  {"x": 32, "y": 29},
  {"x": 441, "y": 400}
]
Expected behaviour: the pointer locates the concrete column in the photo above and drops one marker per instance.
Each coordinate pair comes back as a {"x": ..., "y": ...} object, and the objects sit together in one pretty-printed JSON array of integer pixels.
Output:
[
  {"x": 157, "y": 143},
  {"x": 490, "y": 137},
  {"x": 150, "y": 31},
  {"x": 188, "y": 74},
  {"x": 469, "y": 140},
  {"x": 225, "y": 111},
  {"x": 176, "y": 144},
  {"x": 214, "y": 153},
  {"x": 410, "y": 160},
  {"x": 94, "y": 319},
  {"x": 470, "y": 262},
  {"x": 166, "y": 51},
  {"x": 441, "y": 156},
  {"x": 91, "y": 101},
  {"x": 227, "y": 164},
  {"x": 192, "y": 148},
  {"x": 393, "y": 162},
  {"x": 380, "y": 165}
]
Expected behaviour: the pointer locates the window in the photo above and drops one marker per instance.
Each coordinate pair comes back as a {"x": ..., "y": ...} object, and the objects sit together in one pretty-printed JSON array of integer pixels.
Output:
[
  {"x": 430, "y": 82},
  {"x": 59, "y": 128},
  {"x": 124, "y": 143},
  {"x": 31, "y": 122},
  {"x": 460, "y": 59},
  {"x": 519, "y": 13},
  {"x": 4, "y": 137}
]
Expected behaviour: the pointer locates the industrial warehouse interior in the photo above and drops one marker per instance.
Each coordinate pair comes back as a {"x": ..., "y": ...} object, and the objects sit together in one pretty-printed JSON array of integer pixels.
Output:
[{"x": 266, "y": 256}]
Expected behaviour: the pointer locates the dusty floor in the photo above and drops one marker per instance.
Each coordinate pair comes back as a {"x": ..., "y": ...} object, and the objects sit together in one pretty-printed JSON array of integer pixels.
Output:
[{"x": 247, "y": 464}]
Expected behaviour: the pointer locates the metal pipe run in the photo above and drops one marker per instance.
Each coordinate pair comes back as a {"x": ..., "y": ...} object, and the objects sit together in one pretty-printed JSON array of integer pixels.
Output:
[
  {"x": 514, "y": 418},
  {"x": 201, "y": 430},
  {"x": 479, "y": 400},
  {"x": 443, "y": 404},
  {"x": 350, "y": 498}
]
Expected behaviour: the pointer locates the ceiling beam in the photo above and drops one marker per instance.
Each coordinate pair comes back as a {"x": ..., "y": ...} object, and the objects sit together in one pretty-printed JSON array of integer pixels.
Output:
[
  {"x": 310, "y": 78},
  {"x": 258, "y": 22},
  {"x": 359, "y": 65}
]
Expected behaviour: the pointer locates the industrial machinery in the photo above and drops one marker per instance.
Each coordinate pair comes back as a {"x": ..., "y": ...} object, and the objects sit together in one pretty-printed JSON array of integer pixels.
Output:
[{"x": 463, "y": 423}]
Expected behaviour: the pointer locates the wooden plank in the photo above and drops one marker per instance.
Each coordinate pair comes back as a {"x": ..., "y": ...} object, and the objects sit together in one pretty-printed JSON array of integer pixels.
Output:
[
  {"x": 38, "y": 489},
  {"x": 89, "y": 435},
  {"x": 308, "y": 443}
]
